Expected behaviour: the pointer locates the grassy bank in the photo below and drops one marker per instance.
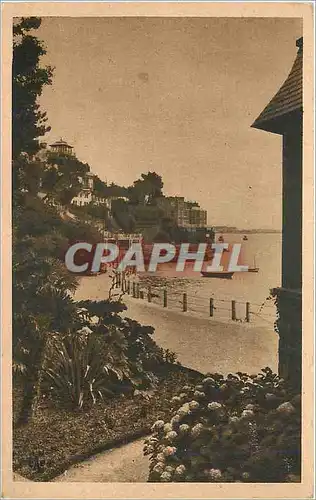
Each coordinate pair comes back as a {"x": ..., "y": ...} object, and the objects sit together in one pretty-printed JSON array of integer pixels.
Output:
[{"x": 57, "y": 438}]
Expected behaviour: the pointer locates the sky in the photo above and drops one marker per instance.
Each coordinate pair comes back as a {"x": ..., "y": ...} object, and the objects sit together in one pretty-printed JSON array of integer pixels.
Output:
[{"x": 176, "y": 96}]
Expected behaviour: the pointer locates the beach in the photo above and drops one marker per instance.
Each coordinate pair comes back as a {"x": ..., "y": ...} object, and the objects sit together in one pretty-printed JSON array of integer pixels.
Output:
[{"x": 200, "y": 342}]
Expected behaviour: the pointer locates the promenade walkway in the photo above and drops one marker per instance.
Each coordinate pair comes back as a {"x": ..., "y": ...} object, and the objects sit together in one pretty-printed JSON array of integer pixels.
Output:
[
  {"x": 125, "y": 464},
  {"x": 203, "y": 344}
]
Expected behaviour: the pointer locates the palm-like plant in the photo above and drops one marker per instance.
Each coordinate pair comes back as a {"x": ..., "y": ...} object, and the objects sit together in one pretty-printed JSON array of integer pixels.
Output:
[
  {"x": 107, "y": 355},
  {"x": 76, "y": 373}
]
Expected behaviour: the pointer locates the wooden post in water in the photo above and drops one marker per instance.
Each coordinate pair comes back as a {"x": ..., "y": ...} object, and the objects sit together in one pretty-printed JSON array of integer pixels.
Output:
[
  {"x": 165, "y": 298},
  {"x": 137, "y": 291},
  {"x": 247, "y": 312},
  {"x": 129, "y": 287},
  {"x": 149, "y": 294},
  {"x": 185, "y": 303},
  {"x": 211, "y": 307},
  {"x": 134, "y": 289},
  {"x": 233, "y": 310},
  {"x": 141, "y": 294}
]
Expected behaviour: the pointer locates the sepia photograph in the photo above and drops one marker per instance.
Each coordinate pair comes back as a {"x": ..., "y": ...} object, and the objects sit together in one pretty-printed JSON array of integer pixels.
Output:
[{"x": 158, "y": 178}]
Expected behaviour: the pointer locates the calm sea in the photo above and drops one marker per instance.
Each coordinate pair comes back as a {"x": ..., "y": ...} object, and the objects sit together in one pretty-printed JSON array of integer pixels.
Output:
[{"x": 263, "y": 249}]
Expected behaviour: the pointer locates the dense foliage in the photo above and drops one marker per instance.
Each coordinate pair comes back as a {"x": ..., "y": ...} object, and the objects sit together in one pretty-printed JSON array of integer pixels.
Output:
[
  {"x": 54, "y": 338},
  {"x": 236, "y": 429},
  {"x": 40, "y": 283},
  {"x": 289, "y": 328},
  {"x": 105, "y": 356},
  {"x": 29, "y": 78}
]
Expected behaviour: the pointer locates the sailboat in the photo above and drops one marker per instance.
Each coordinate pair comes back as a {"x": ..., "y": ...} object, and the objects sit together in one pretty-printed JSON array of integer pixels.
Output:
[{"x": 254, "y": 268}]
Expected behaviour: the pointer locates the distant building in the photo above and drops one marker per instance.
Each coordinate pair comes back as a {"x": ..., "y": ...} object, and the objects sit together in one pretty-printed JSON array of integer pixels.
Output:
[
  {"x": 187, "y": 214},
  {"x": 61, "y": 147},
  {"x": 225, "y": 229},
  {"x": 99, "y": 200},
  {"x": 85, "y": 196},
  {"x": 179, "y": 210},
  {"x": 197, "y": 217}
]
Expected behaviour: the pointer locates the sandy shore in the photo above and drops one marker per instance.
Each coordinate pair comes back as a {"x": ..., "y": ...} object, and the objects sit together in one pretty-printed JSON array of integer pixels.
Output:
[{"x": 200, "y": 343}]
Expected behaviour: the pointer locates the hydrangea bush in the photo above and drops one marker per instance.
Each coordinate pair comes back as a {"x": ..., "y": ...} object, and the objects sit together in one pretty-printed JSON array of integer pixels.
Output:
[{"x": 237, "y": 429}]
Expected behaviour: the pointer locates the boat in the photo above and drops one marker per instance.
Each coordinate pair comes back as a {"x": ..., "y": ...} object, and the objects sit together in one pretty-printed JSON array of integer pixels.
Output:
[
  {"x": 245, "y": 238},
  {"x": 221, "y": 240},
  {"x": 227, "y": 275},
  {"x": 254, "y": 268}
]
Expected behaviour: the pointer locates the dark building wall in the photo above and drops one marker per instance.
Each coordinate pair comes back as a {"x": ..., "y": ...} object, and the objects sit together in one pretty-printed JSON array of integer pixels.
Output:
[
  {"x": 292, "y": 209},
  {"x": 289, "y": 296}
]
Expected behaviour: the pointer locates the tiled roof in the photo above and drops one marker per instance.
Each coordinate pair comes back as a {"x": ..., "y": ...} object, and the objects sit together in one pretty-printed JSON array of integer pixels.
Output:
[
  {"x": 61, "y": 142},
  {"x": 290, "y": 96}
]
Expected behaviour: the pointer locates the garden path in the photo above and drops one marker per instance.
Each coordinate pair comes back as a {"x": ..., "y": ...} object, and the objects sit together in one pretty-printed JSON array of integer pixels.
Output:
[{"x": 125, "y": 464}]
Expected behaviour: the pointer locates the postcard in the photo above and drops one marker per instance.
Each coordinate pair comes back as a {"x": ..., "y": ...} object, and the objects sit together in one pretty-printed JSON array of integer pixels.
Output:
[{"x": 157, "y": 210}]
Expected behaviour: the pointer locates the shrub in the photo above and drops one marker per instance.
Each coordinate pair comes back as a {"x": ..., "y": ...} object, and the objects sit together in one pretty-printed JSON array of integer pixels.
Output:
[
  {"x": 236, "y": 429},
  {"x": 107, "y": 356},
  {"x": 76, "y": 374}
]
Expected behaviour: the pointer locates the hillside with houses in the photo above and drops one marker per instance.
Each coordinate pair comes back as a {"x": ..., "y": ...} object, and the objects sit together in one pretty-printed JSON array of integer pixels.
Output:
[{"x": 140, "y": 209}]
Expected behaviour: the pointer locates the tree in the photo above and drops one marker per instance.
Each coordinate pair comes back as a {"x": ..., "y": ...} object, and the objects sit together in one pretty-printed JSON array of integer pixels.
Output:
[
  {"x": 154, "y": 183},
  {"x": 40, "y": 281},
  {"x": 28, "y": 80},
  {"x": 122, "y": 216},
  {"x": 146, "y": 189},
  {"x": 116, "y": 190},
  {"x": 99, "y": 187},
  {"x": 62, "y": 177}
]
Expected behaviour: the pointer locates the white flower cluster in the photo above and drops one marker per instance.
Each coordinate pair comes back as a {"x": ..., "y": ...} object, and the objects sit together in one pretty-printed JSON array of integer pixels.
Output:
[
  {"x": 158, "y": 425},
  {"x": 184, "y": 429},
  {"x": 194, "y": 405},
  {"x": 286, "y": 408},
  {"x": 214, "y": 406},
  {"x": 213, "y": 474},
  {"x": 171, "y": 436},
  {"x": 197, "y": 430},
  {"x": 247, "y": 414},
  {"x": 184, "y": 410}
]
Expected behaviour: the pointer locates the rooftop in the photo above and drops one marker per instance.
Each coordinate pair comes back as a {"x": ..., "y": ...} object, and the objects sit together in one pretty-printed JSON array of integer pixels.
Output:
[
  {"x": 61, "y": 142},
  {"x": 287, "y": 101}
]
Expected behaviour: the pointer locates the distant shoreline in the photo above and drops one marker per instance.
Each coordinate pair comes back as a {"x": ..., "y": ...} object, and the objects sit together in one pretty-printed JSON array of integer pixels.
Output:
[{"x": 247, "y": 231}]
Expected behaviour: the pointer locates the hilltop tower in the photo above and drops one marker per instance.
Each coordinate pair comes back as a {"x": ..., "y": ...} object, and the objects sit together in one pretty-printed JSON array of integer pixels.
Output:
[{"x": 61, "y": 147}]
